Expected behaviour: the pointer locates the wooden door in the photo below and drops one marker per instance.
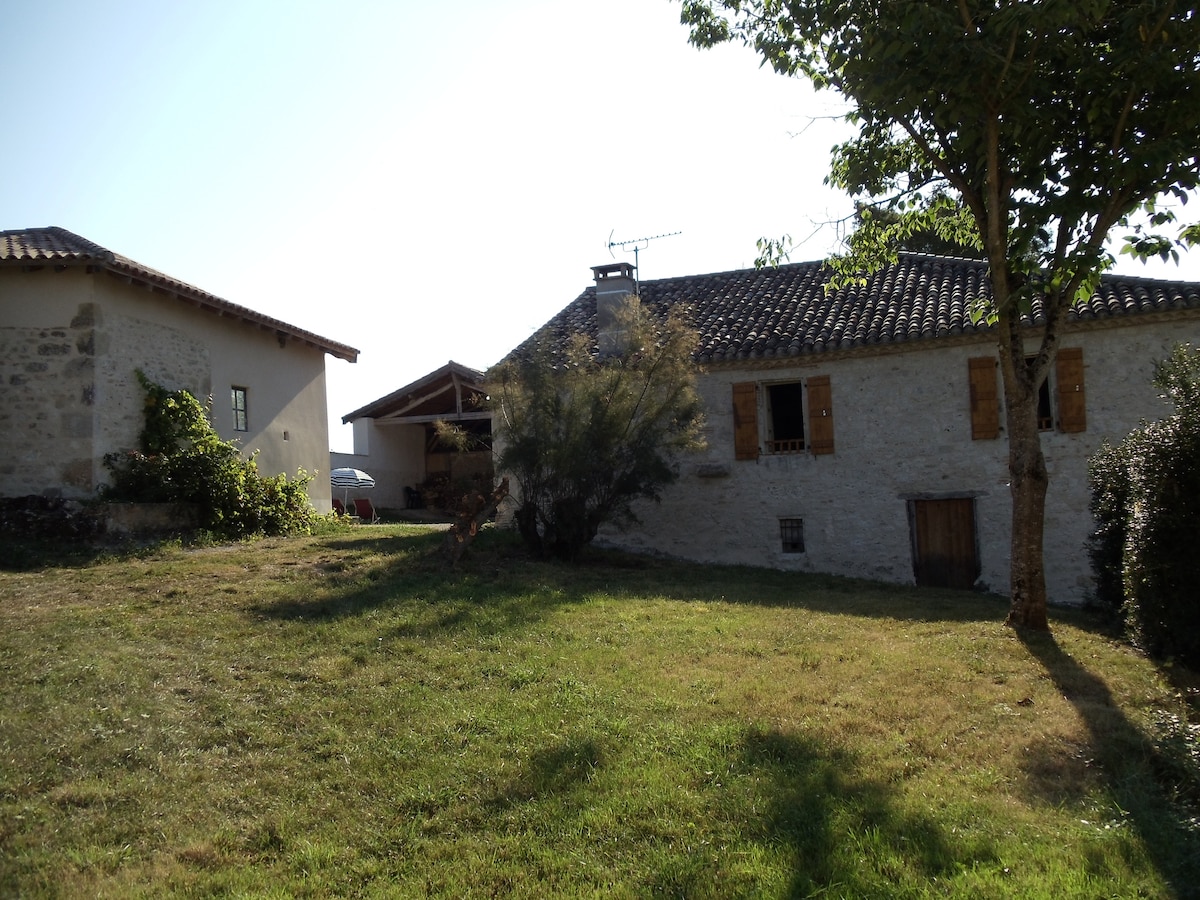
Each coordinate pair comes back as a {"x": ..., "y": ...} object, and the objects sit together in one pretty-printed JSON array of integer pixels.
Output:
[{"x": 944, "y": 546}]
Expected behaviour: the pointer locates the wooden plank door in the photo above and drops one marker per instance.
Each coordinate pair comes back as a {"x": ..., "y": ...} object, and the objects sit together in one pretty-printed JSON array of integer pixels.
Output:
[{"x": 944, "y": 546}]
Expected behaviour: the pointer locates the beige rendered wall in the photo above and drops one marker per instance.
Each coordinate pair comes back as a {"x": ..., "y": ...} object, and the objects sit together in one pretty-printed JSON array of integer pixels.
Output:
[
  {"x": 902, "y": 429},
  {"x": 395, "y": 458},
  {"x": 113, "y": 328}
]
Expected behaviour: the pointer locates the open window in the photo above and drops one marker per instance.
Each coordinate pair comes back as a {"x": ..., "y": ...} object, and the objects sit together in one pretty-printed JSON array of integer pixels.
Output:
[
  {"x": 1045, "y": 417},
  {"x": 1061, "y": 403},
  {"x": 796, "y": 416},
  {"x": 785, "y": 417}
]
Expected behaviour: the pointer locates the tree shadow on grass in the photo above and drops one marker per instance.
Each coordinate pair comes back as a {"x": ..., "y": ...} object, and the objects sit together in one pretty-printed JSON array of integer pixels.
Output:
[
  {"x": 362, "y": 569},
  {"x": 815, "y": 591},
  {"x": 1142, "y": 780},
  {"x": 408, "y": 573},
  {"x": 842, "y": 828},
  {"x": 19, "y": 554},
  {"x": 559, "y": 770}
]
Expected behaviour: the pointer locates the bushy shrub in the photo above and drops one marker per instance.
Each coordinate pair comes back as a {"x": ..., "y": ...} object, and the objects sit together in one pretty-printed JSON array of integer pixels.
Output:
[
  {"x": 182, "y": 459},
  {"x": 585, "y": 435},
  {"x": 1146, "y": 498},
  {"x": 1108, "y": 479}
]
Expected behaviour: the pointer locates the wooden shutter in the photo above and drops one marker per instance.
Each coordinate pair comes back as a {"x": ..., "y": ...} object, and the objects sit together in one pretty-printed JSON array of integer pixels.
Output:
[
  {"x": 820, "y": 415},
  {"x": 1072, "y": 403},
  {"x": 745, "y": 420},
  {"x": 985, "y": 401}
]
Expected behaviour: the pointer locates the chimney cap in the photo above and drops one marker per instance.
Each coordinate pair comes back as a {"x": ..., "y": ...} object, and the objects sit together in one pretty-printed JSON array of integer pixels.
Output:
[{"x": 613, "y": 270}]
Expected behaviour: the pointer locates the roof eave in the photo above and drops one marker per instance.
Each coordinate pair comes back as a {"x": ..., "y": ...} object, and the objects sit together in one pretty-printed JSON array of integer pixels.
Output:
[
  {"x": 155, "y": 281},
  {"x": 378, "y": 407}
]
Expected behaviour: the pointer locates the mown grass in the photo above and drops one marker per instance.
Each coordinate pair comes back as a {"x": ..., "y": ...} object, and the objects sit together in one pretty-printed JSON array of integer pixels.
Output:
[{"x": 342, "y": 716}]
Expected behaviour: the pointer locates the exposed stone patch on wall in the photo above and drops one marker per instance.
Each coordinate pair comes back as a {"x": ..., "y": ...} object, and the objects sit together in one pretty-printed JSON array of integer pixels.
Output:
[
  {"x": 149, "y": 518},
  {"x": 168, "y": 356},
  {"x": 47, "y": 388},
  {"x": 69, "y": 394},
  {"x": 59, "y": 519}
]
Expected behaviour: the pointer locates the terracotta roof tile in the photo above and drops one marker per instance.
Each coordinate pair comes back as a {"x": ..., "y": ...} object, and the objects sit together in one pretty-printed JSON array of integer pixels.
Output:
[
  {"x": 785, "y": 312},
  {"x": 57, "y": 246}
]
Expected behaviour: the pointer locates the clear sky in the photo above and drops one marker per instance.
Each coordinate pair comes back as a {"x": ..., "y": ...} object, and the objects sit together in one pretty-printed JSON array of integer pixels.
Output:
[{"x": 422, "y": 181}]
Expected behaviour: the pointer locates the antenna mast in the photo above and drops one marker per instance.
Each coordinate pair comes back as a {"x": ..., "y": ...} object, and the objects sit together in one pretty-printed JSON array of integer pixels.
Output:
[{"x": 637, "y": 244}]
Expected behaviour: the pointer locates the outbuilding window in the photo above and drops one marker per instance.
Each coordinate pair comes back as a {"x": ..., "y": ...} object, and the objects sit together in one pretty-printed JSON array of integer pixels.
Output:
[{"x": 241, "y": 421}]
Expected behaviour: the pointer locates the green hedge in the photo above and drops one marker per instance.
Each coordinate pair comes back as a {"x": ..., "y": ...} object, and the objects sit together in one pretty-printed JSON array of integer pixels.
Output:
[{"x": 1146, "y": 501}]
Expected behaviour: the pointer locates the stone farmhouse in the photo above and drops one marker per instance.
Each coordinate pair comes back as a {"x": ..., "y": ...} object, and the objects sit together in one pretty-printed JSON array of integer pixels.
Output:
[
  {"x": 77, "y": 320},
  {"x": 396, "y": 442},
  {"x": 861, "y": 432}
]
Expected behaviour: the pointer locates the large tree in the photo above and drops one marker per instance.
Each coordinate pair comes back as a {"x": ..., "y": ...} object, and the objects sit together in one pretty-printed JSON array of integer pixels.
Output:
[{"x": 1027, "y": 129}]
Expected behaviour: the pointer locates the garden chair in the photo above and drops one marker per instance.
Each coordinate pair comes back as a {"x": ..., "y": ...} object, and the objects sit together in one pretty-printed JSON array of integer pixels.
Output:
[{"x": 366, "y": 512}]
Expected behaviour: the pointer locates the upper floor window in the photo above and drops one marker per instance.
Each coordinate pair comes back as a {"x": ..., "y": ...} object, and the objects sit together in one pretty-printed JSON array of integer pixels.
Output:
[
  {"x": 785, "y": 418},
  {"x": 794, "y": 416},
  {"x": 240, "y": 420},
  {"x": 1045, "y": 417},
  {"x": 1061, "y": 400}
]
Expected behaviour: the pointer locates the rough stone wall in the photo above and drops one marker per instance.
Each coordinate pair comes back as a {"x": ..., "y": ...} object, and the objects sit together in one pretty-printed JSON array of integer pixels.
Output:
[
  {"x": 167, "y": 355},
  {"x": 47, "y": 399},
  {"x": 902, "y": 432}
]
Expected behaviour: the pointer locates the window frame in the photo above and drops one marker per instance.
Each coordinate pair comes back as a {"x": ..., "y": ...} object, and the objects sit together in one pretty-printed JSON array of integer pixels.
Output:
[
  {"x": 774, "y": 419},
  {"x": 1045, "y": 407},
  {"x": 751, "y": 434},
  {"x": 241, "y": 411},
  {"x": 1062, "y": 404},
  {"x": 791, "y": 535}
]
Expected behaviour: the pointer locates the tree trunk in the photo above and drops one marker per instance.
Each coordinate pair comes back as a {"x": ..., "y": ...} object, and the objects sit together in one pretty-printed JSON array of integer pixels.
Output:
[
  {"x": 473, "y": 511},
  {"x": 1028, "y": 480},
  {"x": 527, "y": 525}
]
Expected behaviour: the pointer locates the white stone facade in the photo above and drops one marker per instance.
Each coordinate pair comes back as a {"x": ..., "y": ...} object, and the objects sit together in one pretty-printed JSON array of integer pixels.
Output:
[{"x": 902, "y": 432}]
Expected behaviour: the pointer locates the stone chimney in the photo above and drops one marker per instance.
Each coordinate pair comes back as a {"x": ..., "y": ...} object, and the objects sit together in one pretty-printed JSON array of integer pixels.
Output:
[{"x": 616, "y": 289}]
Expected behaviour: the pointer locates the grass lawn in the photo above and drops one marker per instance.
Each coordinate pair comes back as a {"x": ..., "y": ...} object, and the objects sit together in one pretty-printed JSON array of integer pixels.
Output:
[{"x": 342, "y": 716}]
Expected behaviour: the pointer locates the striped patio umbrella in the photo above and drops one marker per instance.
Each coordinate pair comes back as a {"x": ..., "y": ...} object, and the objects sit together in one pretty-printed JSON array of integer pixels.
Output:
[{"x": 350, "y": 478}]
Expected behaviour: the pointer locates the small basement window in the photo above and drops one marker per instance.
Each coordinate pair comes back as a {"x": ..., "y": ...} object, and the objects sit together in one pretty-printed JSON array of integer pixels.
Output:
[{"x": 791, "y": 535}]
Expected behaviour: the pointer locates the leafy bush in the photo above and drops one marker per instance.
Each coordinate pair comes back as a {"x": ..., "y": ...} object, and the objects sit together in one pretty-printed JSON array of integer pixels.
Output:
[
  {"x": 1146, "y": 499},
  {"x": 182, "y": 459},
  {"x": 1108, "y": 478},
  {"x": 584, "y": 435}
]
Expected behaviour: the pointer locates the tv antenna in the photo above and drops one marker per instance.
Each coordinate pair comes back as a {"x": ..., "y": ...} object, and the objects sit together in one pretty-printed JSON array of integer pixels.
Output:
[{"x": 637, "y": 244}]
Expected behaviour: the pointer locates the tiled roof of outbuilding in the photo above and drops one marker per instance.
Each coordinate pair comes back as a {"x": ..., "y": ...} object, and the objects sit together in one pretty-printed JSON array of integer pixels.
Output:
[
  {"x": 785, "y": 312},
  {"x": 58, "y": 247}
]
